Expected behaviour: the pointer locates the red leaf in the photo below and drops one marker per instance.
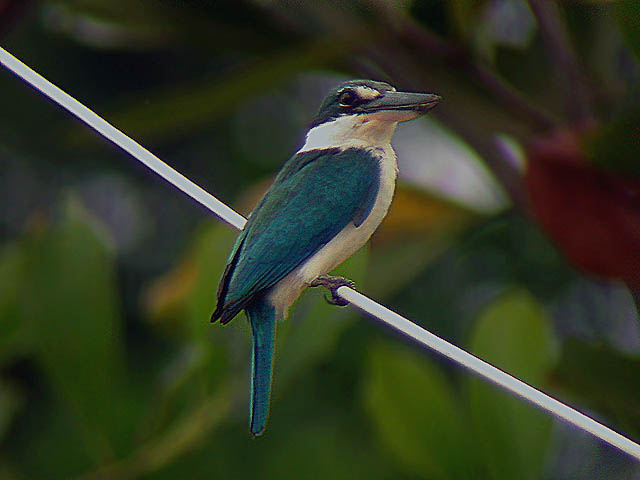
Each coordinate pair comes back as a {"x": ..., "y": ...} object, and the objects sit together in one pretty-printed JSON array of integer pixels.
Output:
[{"x": 593, "y": 216}]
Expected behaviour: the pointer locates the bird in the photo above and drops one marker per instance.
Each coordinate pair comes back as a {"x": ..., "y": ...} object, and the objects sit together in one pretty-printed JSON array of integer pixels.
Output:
[{"x": 323, "y": 206}]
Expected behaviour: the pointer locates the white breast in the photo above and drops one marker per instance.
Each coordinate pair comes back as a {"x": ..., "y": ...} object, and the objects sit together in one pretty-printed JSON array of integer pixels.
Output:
[{"x": 346, "y": 243}]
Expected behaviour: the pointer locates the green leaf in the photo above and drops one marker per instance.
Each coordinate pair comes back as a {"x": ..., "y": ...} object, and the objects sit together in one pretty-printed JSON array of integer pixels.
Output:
[
  {"x": 343, "y": 457},
  {"x": 615, "y": 145},
  {"x": 122, "y": 25},
  {"x": 15, "y": 327},
  {"x": 183, "y": 299},
  {"x": 464, "y": 16},
  {"x": 141, "y": 26},
  {"x": 628, "y": 15},
  {"x": 416, "y": 415},
  {"x": 73, "y": 304},
  {"x": 603, "y": 379},
  {"x": 180, "y": 303},
  {"x": 50, "y": 442},
  {"x": 10, "y": 403},
  {"x": 515, "y": 335},
  {"x": 209, "y": 253}
]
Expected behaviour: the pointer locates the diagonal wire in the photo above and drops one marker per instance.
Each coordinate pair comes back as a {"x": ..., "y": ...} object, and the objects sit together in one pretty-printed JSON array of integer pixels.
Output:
[
  {"x": 130, "y": 146},
  {"x": 360, "y": 301}
]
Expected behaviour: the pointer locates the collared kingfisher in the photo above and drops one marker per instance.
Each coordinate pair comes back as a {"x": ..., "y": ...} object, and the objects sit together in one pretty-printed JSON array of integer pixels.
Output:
[{"x": 324, "y": 204}]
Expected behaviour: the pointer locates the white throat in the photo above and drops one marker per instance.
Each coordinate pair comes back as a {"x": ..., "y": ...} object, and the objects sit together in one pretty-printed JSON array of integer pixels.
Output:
[{"x": 351, "y": 131}]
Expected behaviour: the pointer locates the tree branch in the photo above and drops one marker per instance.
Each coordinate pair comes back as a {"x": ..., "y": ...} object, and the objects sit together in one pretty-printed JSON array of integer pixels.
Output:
[
  {"x": 556, "y": 40},
  {"x": 407, "y": 29}
]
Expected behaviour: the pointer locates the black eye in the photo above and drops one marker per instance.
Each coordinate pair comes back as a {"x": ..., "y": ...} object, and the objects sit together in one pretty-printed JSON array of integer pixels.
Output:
[{"x": 348, "y": 99}]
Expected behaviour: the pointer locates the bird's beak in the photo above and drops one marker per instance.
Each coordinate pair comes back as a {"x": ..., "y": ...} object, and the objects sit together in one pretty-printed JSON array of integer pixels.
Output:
[{"x": 400, "y": 106}]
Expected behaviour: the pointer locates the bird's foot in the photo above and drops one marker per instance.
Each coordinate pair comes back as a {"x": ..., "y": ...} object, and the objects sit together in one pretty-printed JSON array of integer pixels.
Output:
[{"x": 333, "y": 283}]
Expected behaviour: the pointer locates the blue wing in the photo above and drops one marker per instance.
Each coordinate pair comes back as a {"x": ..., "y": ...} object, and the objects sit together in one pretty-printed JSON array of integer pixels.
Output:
[{"x": 316, "y": 194}]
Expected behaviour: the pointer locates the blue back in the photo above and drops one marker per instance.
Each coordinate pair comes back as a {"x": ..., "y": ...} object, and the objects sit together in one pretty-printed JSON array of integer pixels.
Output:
[{"x": 315, "y": 195}]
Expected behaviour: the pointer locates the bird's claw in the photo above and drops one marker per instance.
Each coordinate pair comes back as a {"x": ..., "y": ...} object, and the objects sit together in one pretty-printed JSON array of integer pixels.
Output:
[{"x": 333, "y": 283}]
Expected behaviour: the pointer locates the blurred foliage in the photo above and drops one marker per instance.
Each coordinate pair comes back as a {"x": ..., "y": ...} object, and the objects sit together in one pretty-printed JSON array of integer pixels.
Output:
[
  {"x": 416, "y": 415},
  {"x": 524, "y": 347},
  {"x": 628, "y": 16},
  {"x": 109, "y": 365},
  {"x": 616, "y": 146}
]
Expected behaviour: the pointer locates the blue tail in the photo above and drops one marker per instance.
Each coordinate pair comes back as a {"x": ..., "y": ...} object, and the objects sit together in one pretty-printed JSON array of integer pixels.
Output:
[{"x": 262, "y": 317}]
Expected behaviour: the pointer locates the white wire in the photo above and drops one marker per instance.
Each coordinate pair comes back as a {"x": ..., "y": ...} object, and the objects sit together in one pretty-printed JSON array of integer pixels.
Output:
[
  {"x": 360, "y": 301},
  {"x": 488, "y": 371},
  {"x": 120, "y": 139}
]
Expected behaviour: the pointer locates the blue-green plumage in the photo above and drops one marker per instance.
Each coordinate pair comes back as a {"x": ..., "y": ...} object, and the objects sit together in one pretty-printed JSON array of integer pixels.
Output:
[
  {"x": 316, "y": 195},
  {"x": 323, "y": 205},
  {"x": 262, "y": 317}
]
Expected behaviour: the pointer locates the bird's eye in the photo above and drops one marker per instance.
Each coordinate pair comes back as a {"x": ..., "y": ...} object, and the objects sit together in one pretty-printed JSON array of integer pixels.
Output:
[{"x": 348, "y": 99}]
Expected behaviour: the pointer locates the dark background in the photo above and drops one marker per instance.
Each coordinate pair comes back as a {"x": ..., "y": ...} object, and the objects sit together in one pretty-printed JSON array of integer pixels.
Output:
[{"x": 515, "y": 233}]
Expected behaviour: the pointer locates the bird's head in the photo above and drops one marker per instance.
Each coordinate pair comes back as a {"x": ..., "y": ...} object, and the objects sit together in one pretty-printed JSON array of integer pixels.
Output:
[{"x": 365, "y": 111}]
